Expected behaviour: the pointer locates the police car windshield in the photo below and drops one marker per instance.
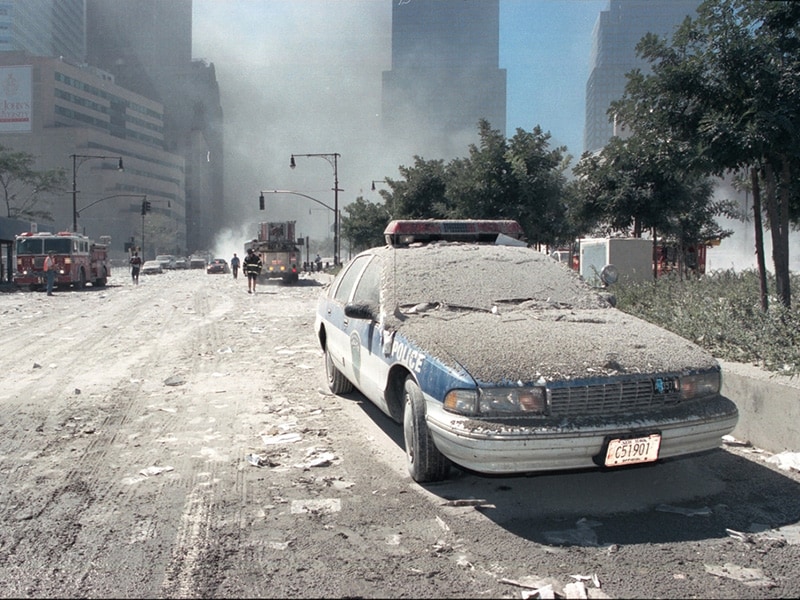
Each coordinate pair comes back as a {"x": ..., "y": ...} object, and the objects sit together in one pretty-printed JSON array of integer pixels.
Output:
[{"x": 478, "y": 277}]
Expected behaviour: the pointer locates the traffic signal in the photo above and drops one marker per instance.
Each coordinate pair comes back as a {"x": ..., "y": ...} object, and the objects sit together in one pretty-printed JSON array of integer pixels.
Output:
[{"x": 145, "y": 207}]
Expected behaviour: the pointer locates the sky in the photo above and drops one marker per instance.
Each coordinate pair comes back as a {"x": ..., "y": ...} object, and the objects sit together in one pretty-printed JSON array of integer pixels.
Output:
[{"x": 304, "y": 76}]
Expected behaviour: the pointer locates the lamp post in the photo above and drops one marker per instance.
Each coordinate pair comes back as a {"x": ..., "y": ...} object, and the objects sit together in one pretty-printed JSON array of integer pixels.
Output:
[
  {"x": 75, "y": 165},
  {"x": 332, "y": 158},
  {"x": 374, "y": 181},
  {"x": 261, "y": 204}
]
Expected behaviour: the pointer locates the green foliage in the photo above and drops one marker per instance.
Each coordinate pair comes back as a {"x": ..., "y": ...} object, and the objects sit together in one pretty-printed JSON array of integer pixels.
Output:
[
  {"x": 521, "y": 179},
  {"x": 22, "y": 185},
  {"x": 364, "y": 224},
  {"x": 721, "y": 313}
]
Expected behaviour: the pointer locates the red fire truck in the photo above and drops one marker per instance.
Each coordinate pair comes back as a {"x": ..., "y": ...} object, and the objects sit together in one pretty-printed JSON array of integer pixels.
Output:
[
  {"x": 277, "y": 246},
  {"x": 78, "y": 259}
]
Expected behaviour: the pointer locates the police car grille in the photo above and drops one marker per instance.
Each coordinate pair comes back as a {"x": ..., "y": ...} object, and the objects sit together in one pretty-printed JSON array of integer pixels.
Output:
[{"x": 608, "y": 398}]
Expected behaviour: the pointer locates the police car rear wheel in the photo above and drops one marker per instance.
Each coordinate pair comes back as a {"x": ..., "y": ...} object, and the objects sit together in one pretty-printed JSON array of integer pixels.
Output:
[
  {"x": 337, "y": 382},
  {"x": 425, "y": 462}
]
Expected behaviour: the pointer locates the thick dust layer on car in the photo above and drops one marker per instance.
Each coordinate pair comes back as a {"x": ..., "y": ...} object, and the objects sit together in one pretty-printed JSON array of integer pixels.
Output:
[{"x": 519, "y": 312}]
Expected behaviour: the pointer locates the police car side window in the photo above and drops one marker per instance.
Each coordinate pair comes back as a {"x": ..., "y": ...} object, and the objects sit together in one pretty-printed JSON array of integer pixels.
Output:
[
  {"x": 348, "y": 280},
  {"x": 368, "y": 289}
]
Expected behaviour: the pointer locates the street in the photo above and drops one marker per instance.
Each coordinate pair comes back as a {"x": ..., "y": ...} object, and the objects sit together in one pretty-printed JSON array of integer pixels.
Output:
[{"x": 177, "y": 439}]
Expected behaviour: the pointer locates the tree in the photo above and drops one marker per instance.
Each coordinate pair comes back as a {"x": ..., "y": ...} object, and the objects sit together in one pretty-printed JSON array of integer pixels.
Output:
[
  {"x": 22, "y": 185},
  {"x": 421, "y": 194},
  {"x": 640, "y": 184},
  {"x": 728, "y": 87},
  {"x": 364, "y": 224}
]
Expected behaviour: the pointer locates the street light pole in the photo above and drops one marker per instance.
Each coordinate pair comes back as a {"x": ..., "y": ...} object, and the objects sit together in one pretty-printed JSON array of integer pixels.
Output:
[
  {"x": 75, "y": 166},
  {"x": 332, "y": 158}
]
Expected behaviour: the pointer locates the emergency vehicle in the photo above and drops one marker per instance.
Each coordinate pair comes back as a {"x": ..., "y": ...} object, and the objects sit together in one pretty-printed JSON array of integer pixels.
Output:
[
  {"x": 495, "y": 358},
  {"x": 79, "y": 260},
  {"x": 277, "y": 247}
]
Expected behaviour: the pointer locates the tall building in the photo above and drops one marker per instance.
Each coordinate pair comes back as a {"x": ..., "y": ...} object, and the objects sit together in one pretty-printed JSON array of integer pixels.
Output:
[
  {"x": 147, "y": 45},
  {"x": 43, "y": 28},
  {"x": 445, "y": 75},
  {"x": 76, "y": 118},
  {"x": 617, "y": 31}
]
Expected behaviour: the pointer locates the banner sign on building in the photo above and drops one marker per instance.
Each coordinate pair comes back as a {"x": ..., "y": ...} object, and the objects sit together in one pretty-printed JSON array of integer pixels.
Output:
[{"x": 16, "y": 99}]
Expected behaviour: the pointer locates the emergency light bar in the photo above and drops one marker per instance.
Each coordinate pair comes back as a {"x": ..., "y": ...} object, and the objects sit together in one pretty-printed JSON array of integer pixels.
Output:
[{"x": 404, "y": 232}]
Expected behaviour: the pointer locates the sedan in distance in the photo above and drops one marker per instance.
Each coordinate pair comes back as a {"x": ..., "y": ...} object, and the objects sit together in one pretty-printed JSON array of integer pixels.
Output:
[
  {"x": 218, "y": 265},
  {"x": 498, "y": 359},
  {"x": 152, "y": 267}
]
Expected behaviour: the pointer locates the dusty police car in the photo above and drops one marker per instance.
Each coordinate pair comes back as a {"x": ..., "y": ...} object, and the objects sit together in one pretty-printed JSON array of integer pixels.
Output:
[{"x": 499, "y": 359}]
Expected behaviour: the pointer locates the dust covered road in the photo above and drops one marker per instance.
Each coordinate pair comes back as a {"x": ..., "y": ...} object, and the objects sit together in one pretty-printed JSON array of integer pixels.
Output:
[{"x": 176, "y": 439}]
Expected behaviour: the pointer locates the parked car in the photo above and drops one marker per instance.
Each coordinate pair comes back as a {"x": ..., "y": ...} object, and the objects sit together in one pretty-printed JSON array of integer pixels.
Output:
[
  {"x": 151, "y": 267},
  {"x": 197, "y": 262},
  {"x": 497, "y": 358},
  {"x": 218, "y": 265},
  {"x": 181, "y": 263},
  {"x": 167, "y": 261}
]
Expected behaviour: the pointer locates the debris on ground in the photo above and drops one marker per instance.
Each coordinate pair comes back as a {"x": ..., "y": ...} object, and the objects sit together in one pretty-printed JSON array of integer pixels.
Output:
[
  {"x": 786, "y": 461},
  {"x": 316, "y": 506},
  {"x": 689, "y": 512},
  {"x": 746, "y": 575},
  {"x": 281, "y": 438},
  {"x": 154, "y": 470}
]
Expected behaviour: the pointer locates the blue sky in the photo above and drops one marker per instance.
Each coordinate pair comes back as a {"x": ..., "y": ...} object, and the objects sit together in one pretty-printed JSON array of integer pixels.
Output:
[
  {"x": 304, "y": 76},
  {"x": 545, "y": 47}
]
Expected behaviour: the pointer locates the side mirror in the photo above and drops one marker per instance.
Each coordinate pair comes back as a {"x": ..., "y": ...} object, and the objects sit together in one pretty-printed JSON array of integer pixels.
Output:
[{"x": 360, "y": 311}]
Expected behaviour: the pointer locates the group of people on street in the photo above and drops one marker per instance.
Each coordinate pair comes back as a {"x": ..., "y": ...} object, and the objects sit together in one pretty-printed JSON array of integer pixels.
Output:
[{"x": 251, "y": 266}]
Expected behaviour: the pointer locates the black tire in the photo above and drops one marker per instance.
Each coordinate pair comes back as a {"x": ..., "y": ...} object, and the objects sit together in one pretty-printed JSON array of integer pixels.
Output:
[
  {"x": 425, "y": 462},
  {"x": 338, "y": 383}
]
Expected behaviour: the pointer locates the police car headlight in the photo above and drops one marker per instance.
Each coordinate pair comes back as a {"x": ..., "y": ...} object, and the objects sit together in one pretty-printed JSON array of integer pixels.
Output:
[
  {"x": 702, "y": 384},
  {"x": 498, "y": 401}
]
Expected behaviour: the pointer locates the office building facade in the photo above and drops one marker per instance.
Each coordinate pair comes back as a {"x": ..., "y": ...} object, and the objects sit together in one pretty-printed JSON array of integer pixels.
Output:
[
  {"x": 147, "y": 45},
  {"x": 445, "y": 76},
  {"x": 68, "y": 116},
  {"x": 617, "y": 31},
  {"x": 44, "y": 28}
]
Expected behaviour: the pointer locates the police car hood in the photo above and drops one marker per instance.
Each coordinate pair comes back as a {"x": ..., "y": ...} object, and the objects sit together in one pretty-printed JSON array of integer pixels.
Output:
[
  {"x": 528, "y": 345},
  {"x": 509, "y": 314}
]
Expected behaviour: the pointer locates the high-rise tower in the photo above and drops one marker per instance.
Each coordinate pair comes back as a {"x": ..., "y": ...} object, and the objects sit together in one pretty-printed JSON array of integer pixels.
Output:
[
  {"x": 147, "y": 45},
  {"x": 43, "y": 28},
  {"x": 444, "y": 77},
  {"x": 617, "y": 31}
]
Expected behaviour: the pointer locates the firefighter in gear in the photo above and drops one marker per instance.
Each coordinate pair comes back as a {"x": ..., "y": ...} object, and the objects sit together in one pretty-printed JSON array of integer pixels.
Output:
[{"x": 252, "y": 268}]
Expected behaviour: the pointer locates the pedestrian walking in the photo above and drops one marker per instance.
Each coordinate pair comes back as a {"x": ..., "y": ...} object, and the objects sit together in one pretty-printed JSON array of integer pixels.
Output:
[
  {"x": 50, "y": 272},
  {"x": 235, "y": 266},
  {"x": 136, "y": 265},
  {"x": 252, "y": 268}
]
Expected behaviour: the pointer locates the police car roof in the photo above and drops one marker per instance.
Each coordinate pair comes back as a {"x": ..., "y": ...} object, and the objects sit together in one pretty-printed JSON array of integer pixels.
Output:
[{"x": 409, "y": 231}]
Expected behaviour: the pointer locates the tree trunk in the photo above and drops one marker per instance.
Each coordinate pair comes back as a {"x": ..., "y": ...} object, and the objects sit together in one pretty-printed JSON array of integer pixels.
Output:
[
  {"x": 759, "y": 232},
  {"x": 777, "y": 213}
]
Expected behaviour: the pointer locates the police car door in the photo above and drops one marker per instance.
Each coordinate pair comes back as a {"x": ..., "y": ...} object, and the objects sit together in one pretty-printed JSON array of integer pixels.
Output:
[
  {"x": 369, "y": 366},
  {"x": 338, "y": 338}
]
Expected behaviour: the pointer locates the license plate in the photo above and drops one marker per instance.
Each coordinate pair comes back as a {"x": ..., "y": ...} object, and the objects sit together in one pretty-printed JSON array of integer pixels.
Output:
[{"x": 633, "y": 451}]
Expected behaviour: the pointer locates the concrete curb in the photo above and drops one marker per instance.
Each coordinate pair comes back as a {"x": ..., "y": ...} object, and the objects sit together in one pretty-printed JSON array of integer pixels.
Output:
[{"x": 769, "y": 406}]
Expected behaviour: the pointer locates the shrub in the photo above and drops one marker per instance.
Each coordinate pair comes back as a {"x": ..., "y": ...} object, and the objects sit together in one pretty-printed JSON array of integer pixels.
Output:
[{"x": 722, "y": 313}]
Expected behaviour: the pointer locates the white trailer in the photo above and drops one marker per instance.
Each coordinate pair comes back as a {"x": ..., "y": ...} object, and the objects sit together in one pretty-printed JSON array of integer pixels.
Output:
[{"x": 631, "y": 257}]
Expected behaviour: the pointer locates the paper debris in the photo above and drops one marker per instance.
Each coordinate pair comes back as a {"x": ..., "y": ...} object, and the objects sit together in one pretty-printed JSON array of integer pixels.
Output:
[
  {"x": 745, "y": 575},
  {"x": 689, "y": 512},
  {"x": 151, "y": 471}
]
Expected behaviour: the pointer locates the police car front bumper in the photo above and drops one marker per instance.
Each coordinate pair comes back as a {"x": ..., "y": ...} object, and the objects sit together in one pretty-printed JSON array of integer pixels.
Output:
[{"x": 562, "y": 444}]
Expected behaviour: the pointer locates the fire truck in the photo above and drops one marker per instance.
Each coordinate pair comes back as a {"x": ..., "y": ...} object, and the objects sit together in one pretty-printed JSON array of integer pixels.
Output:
[
  {"x": 277, "y": 247},
  {"x": 78, "y": 259}
]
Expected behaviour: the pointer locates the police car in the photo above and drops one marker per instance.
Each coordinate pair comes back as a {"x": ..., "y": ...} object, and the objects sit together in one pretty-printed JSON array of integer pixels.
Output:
[{"x": 497, "y": 358}]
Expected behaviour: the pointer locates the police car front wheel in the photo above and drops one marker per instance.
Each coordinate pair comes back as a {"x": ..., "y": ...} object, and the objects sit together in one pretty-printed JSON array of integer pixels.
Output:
[{"x": 425, "y": 462}]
